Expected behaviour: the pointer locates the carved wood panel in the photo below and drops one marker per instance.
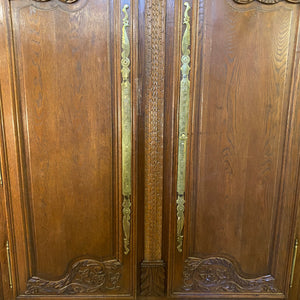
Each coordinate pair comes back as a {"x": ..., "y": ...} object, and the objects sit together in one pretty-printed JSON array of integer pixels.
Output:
[
  {"x": 85, "y": 277},
  {"x": 219, "y": 275}
]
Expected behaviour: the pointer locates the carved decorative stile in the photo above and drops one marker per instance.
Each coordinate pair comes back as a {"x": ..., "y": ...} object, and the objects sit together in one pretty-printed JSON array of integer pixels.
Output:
[
  {"x": 152, "y": 281},
  {"x": 219, "y": 275},
  {"x": 183, "y": 125},
  {"x": 154, "y": 126},
  {"x": 126, "y": 132},
  {"x": 85, "y": 277}
]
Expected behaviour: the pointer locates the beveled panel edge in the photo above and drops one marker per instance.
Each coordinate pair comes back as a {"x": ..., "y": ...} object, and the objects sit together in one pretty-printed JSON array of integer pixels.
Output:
[{"x": 283, "y": 247}]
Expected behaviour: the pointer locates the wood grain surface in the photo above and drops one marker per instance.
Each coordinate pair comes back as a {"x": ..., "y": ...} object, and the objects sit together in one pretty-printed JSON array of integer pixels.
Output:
[
  {"x": 66, "y": 113},
  {"x": 239, "y": 206},
  {"x": 61, "y": 137}
]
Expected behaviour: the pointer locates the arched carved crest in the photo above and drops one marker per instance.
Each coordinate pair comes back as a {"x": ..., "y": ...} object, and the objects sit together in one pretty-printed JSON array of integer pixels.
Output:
[
  {"x": 64, "y": 1},
  {"x": 219, "y": 275},
  {"x": 266, "y": 1},
  {"x": 85, "y": 277}
]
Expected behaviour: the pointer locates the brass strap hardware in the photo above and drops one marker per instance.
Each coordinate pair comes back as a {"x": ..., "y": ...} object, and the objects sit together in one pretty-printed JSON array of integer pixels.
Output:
[
  {"x": 183, "y": 125},
  {"x": 1, "y": 181},
  {"x": 294, "y": 262},
  {"x": 126, "y": 131},
  {"x": 9, "y": 265}
]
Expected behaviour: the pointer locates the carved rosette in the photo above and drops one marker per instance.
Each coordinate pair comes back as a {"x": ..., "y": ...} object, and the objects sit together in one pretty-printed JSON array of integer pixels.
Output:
[
  {"x": 64, "y": 1},
  {"x": 265, "y": 1},
  {"x": 85, "y": 277},
  {"x": 218, "y": 275}
]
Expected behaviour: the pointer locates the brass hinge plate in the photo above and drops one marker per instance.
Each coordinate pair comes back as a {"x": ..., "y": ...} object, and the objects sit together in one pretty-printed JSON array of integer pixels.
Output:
[
  {"x": 294, "y": 262},
  {"x": 9, "y": 265}
]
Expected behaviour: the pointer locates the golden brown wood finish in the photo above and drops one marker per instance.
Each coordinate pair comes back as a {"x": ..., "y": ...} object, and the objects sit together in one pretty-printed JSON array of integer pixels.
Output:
[
  {"x": 243, "y": 158},
  {"x": 152, "y": 269},
  {"x": 154, "y": 105},
  {"x": 66, "y": 114},
  {"x": 60, "y": 78}
]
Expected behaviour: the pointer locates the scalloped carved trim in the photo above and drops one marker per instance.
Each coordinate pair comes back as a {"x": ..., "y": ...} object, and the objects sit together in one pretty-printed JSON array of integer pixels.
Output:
[
  {"x": 265, "y": 1},
  {"x": 85, "y": 277},
  {"x": 64, "y": 1},
  {"x": 219, "y": 275}
]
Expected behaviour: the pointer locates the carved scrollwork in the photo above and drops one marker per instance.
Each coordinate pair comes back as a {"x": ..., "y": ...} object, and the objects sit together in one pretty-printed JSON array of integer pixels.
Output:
[
  {"x": 265, "y": 1},
  {"x": 85, "y": 277},
  {"x": 64, "y": 1},
  {"x": 219, "y": 275}
]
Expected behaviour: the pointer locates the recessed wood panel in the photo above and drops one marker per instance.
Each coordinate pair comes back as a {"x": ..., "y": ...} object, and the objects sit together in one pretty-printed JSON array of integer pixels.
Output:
[
  {"x": 241, "y": 132},
  {"x": 65, "y": 88}
]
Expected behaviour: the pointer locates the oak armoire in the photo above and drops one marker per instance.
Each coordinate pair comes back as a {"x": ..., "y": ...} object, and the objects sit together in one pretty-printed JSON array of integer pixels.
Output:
[{"x": 149, "y": 149}]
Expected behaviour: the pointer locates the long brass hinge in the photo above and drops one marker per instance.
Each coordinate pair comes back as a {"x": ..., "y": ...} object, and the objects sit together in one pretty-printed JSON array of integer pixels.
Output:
[
  {"x": 294, "y": 262},
  {"x": 1, "y": 181},
  {"x": 9, "y": 265}
]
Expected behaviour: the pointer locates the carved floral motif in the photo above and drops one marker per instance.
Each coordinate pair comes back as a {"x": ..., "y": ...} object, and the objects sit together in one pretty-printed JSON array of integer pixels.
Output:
[
  {"x": 219, "y": 275},
  {"x": 86, "y": 276}
]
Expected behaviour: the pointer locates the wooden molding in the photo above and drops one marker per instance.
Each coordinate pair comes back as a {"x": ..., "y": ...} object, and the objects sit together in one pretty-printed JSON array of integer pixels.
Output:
[{"x": 152, "y": 278}]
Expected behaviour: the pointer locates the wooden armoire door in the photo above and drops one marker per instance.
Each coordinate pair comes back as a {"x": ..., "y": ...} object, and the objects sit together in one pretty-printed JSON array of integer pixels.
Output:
[
  {"x": 68, "y": 102},
  {"x": 232, "y": 146},
  {"x": 149, "y": 148}
]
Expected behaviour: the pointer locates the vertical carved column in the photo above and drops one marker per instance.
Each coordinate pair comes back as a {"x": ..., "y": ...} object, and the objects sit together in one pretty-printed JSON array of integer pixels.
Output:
[{"x": 154, "y": 116}]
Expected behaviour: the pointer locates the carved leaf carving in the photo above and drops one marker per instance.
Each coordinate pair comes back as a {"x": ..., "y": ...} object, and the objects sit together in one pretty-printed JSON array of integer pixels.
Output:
[
  {"x": 266, "y": 1},
  {"x": 219, "y": 275},
  {"x": 152, "y": 278},
  {"x": 85, "y": 276}
]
